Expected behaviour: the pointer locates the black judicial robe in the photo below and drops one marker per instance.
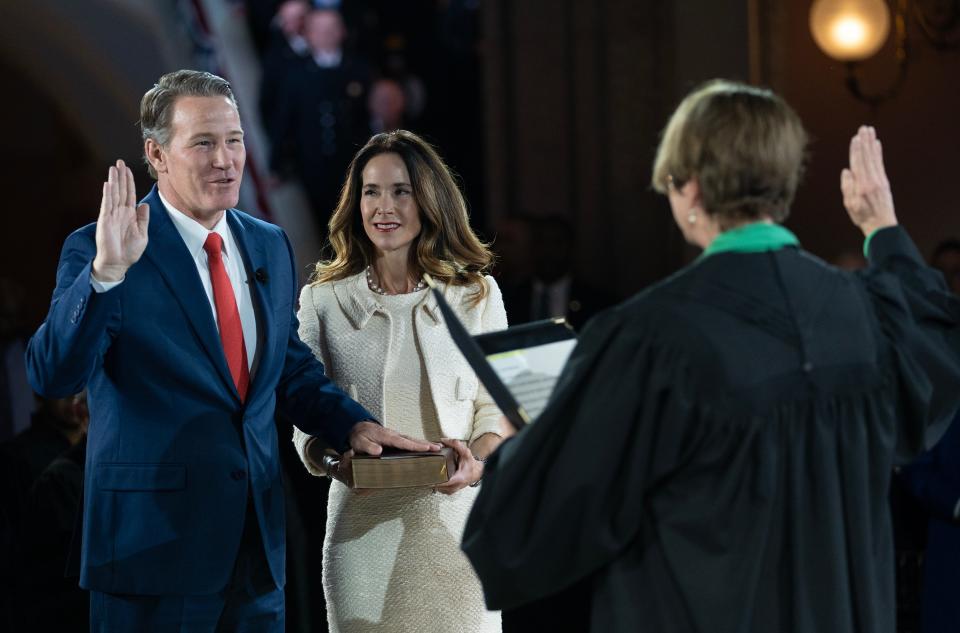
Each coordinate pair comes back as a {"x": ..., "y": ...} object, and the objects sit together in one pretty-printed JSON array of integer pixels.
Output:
[{"x": 717, "y": 453}]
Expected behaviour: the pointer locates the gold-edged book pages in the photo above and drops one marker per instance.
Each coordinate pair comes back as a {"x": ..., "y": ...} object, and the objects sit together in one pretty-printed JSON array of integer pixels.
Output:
[{"x": 403, "y": 469}]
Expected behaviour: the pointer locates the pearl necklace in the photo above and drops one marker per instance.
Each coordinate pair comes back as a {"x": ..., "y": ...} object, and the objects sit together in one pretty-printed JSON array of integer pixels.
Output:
[{"x": 380, "y": 291}]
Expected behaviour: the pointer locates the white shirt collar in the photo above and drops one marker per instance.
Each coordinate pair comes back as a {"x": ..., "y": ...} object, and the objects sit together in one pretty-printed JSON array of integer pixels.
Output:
[
  {"x": 328, "y": 59},
  {"x": 195, "y": 234},
  {"x": 298, "y": 45}
]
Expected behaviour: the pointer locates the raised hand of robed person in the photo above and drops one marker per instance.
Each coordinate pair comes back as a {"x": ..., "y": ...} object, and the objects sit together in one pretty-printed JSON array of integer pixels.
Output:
[
  {"x": 866, "y": 190},
  {"x": 121, "y": 226}
]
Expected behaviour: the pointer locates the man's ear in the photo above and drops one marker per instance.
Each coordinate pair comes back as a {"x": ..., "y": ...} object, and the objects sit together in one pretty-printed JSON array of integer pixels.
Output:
[{"x": 155, "y": 154}]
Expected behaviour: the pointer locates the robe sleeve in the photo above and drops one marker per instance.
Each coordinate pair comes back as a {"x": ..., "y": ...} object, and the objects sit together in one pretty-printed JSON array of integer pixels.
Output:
[
  {"x": 918, "y": 316},
  {"x": 565, "y": 496}
]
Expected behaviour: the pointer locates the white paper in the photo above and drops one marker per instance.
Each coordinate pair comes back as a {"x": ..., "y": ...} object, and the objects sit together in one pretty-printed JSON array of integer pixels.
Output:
[{"x": 531, "y": 373}]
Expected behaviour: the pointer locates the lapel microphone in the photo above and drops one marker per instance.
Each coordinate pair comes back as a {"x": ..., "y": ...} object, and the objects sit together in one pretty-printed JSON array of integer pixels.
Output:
[{"x": 260, "y": 275}]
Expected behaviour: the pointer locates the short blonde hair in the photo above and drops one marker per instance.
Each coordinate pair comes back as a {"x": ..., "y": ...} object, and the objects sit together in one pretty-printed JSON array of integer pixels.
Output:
[{"x": 745, "y": 146}]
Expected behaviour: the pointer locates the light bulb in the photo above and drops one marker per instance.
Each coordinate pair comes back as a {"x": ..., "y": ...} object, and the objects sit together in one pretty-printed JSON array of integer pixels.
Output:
[{"x": 850, "y": 30}]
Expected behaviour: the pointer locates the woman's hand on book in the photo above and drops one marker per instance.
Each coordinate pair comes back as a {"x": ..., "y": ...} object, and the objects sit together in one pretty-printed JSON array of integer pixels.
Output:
[{"x": 469, "y": 469}]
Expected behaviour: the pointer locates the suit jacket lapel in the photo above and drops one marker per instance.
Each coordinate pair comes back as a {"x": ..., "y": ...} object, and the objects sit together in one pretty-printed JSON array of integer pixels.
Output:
[
  {"x": 169, "y": 255},
  {"x": 255, "y": 258}
]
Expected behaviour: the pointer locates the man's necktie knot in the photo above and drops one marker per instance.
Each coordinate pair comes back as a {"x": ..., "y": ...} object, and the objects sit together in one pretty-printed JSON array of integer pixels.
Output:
[{"x": 214, "y": 245}]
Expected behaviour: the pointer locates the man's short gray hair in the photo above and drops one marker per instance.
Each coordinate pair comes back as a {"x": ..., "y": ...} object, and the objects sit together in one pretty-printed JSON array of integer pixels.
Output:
[{"x": 156, "y": 107}]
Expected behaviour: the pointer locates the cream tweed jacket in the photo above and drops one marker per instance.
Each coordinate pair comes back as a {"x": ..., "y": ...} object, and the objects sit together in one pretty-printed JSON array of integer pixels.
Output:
[{"x": 332, "y": 320}]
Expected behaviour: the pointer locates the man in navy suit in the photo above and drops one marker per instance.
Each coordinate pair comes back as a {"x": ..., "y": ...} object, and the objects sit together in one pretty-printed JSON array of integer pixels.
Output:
[{"x": 178, "y": 316}]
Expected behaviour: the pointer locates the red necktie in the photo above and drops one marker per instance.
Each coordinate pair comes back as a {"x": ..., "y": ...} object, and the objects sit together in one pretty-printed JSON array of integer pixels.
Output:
[{"x": 228, "y": 317}]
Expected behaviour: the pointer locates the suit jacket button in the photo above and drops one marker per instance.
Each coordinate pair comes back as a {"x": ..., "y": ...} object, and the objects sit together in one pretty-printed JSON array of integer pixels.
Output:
[{"x": 238, "y": 475}]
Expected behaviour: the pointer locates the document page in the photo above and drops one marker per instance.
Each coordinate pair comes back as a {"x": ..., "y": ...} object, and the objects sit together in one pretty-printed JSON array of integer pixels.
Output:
[
  {"x": 527, "y": 361},
  {"x": 529, "y": 358},
  {"x": 531, "y": 373}
]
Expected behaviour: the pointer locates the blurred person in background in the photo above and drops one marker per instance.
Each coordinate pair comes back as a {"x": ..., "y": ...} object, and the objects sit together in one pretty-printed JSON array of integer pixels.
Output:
[
  {"x": 512, "y": 247},
  {"x": 386, "y": 105},
  {"x": 849, "y": 261},
  {"x": 54, "y": 427},
  {"x": 286, "y": 51},
  {"x": 933, "y": 481},
  {"x": 16, "y": 397},
  {"x": 46, "y": 595},
  {"x": 553, "y": 290},
  {"x": 392, "y": 560},
  {"x": 319, "y": 113},
  {"x": 718, "y": 451},
  {"x": 33, "y": 548}
]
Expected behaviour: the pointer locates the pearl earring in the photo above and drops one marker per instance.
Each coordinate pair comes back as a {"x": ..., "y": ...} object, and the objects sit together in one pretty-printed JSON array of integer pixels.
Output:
[{"x": 692, "y": 217}]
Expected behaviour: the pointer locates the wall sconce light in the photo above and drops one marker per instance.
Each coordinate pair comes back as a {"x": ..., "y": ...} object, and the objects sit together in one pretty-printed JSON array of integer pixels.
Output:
[
  {"x": 853, "y": 30},
  {"x": 850, "y": 30}
]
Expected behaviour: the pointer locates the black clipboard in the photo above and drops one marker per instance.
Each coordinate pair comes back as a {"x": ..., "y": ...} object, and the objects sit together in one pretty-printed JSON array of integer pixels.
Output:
[{"x": 476, "y": 349}]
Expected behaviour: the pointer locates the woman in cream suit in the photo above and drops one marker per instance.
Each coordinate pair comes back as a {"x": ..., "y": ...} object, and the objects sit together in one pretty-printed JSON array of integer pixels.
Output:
[{"x": 391, "y": 558}]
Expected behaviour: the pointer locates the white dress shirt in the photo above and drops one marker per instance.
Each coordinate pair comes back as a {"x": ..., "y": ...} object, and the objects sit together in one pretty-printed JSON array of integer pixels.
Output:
[
  {"x": 194, "y": 236},
  {"x": 328, "y": 59}
]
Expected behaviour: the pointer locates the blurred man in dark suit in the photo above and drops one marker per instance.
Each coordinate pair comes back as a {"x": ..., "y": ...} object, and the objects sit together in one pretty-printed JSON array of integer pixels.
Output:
[
  {"x": 286, "y": 51},
  {"x": 319, "y": 114},
  {"x": 36, "y": 523},
  {"x": 553, "y": 290}
]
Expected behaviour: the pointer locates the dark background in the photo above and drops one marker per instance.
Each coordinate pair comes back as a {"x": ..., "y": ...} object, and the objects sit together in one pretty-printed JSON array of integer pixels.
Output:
[{"x": 542, "y": 106}]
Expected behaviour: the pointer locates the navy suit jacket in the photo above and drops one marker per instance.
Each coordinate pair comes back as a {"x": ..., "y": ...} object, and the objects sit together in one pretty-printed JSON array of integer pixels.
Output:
[
  {"x": 934, "y": 479},
  {"x": 172, "y": 452}
]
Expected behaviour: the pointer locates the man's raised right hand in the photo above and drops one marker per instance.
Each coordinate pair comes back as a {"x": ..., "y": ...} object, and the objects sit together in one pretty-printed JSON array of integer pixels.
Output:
[{"x": 121, "y": 227}]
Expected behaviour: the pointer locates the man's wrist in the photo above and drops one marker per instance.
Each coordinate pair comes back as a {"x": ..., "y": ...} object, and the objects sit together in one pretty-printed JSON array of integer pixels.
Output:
[{"x": 107, "y": 273}]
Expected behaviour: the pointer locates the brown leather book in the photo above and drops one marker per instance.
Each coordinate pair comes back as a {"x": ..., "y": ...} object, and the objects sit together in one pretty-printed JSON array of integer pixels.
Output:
[{"x": 403, "y": 469}]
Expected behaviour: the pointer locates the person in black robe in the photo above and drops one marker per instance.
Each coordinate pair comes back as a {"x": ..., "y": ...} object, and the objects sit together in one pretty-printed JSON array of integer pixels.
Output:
[{"x": 717, "y": 453}]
